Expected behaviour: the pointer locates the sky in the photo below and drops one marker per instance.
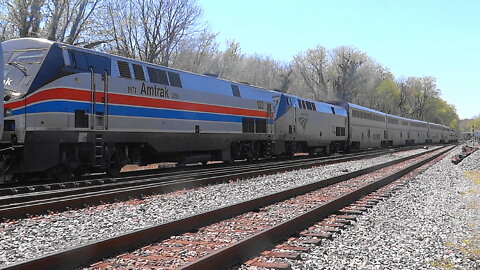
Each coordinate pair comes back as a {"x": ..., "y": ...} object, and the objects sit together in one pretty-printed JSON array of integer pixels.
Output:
[{"x": 417, "y": 38}]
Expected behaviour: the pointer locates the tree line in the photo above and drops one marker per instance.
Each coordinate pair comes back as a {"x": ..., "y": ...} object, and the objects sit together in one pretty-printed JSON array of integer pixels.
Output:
[{"x": 172, "y": 33}]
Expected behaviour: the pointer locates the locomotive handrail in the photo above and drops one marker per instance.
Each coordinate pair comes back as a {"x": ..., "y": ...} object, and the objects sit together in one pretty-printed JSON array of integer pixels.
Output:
[
  {"x": 105, "y": 99},
  {"x": 92, "y": 95}
]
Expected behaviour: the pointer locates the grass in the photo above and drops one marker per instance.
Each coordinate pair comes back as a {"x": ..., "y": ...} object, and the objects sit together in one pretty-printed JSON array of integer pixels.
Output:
[
  {"x": 443, "y": 264},
  {"x": 474, "y": 176}
]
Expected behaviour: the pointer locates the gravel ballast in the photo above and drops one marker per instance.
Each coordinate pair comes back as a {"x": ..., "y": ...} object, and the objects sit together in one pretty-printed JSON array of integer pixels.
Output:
[
  {"x": 32, "y": 237},
  {"x": 431, "y": 223}
]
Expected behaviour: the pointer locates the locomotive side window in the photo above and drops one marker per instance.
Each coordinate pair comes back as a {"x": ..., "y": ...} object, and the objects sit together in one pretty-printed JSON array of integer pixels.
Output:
[
  {"x": 174, "y": 79},
  {"x": 79, "y": 60},
  {"x": 158, "y": 76},
  {"x": 162, "y": 77},
  {"x": 124, "y": 69},
  {"x": 9, "y": 125},
  {"x": 235, "y": 90},
  {"x": 81, "y": 119},
  {"x": 153, "y": 75},
  {"x": 260, "y": 125},
  {"x": 138, "y": 72},
  {"x": 248, "y": 125},
  {"x": 339, "y": 131},
  {"x": 309, "y": 105}
]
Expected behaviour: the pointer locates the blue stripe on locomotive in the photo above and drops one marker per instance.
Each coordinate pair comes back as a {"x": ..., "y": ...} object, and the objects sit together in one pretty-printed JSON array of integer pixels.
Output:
[{"x": 118, "y": 110}]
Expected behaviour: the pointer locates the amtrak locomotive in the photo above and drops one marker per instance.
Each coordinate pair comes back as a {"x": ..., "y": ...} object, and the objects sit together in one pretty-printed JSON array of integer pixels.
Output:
[{"x": 69, "y": 111}]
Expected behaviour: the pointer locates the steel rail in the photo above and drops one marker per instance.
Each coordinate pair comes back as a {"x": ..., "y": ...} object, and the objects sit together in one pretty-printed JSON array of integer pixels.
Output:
[
  {"x": 95, "y": 180},
  {"x": 85, "y": 254},
  {"x": 34, "y": 204},
  {"x": 129, "y": 180},
  {"x": 253, "y": 245}
]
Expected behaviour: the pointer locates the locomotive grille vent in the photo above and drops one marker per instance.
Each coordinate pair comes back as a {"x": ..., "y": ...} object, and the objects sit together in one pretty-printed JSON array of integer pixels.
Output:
[
  {"x": 124, "y": 69},
  {"x": 138, "y": 72}
]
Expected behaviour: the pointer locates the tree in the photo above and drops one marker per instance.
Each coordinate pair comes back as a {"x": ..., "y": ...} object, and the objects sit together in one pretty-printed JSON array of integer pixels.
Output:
[
  {"x": 312, "y": 67},
  {"x": 197, "y": 52},
  {"x": 66, "y": 21},
  {"x": 403, "y": 104},
  {"x": 25, "y": 16},
  {"x": 346, "y": 63},
  {"x": 58, "y": 20},
  {"x": 386, "y": 97},
  {"x": 151, "y": 30},
  {"x": 422, "y": 90},
  {"x": 439, "y": 111}
]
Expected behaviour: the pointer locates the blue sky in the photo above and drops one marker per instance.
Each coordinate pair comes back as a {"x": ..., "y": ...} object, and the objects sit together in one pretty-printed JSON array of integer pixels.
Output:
[{"x": 411, "y": 38}]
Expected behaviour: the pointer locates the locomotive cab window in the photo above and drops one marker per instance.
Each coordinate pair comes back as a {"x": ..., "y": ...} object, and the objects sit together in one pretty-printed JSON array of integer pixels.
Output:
[{"x": 27, "y": 56}]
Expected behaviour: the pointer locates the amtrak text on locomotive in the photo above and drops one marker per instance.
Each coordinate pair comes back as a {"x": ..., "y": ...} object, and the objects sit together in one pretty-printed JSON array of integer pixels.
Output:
[{"x": 150, "y": 91}]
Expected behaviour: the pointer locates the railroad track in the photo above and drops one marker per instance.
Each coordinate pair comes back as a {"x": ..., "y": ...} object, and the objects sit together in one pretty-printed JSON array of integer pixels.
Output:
[
  {"x": 245, "y": 229},
  {"x": 131, "y": 186},
  {"x": 101, "y": 179}
]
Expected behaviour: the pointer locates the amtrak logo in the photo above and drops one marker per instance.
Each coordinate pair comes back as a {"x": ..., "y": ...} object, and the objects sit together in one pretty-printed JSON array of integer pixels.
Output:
[
  {"x": 7, "y": 81},
  {"x": 303, "y": 122}
]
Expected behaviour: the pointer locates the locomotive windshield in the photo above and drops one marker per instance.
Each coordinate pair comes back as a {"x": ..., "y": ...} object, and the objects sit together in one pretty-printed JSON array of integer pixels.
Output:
[
  {"x": 27, "y": 56},
  {"x": 19, "y": 69}
]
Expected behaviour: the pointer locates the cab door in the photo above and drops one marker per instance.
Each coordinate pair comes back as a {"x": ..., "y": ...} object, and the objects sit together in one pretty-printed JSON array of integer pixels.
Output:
[{"x": 99, "y": 100}]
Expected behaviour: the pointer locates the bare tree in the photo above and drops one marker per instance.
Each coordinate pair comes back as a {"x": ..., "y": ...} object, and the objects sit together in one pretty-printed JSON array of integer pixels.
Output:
[
  {"x": 196, "y": 52},
  {"x": 151, "y": 30},
  {"x": 403, "y": 98},
  {"x": 230, "y": 59},
  {"x": 67, "y": 20},
  {"x": 122, "y": 27},
  {"x": 25, "y": 16},
  {"x": 345, "y": 70},
  {"x": 423, "y": 90},
  {"x": 286, "y": 77},
  {"x": 312, "y": 67}
]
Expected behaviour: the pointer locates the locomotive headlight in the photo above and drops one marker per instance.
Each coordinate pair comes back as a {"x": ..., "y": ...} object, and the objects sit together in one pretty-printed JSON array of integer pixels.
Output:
[{"x": 7, "y": 112}]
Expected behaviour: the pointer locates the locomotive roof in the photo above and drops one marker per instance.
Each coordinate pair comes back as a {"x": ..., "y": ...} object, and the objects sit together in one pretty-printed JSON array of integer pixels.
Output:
[
  {"x": 191, "y": 80},
  {"x": 321, "y": 106},
  {"x": 365, "y": 109}
]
